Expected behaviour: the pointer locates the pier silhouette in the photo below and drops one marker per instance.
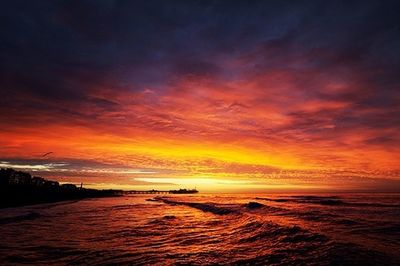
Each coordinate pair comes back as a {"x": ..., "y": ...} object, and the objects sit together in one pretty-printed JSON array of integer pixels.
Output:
[{"x": 154, "y": 191}]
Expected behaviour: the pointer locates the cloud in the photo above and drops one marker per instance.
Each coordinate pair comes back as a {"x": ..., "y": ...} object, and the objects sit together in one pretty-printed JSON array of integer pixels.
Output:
[{"x": 309, "y": 84}]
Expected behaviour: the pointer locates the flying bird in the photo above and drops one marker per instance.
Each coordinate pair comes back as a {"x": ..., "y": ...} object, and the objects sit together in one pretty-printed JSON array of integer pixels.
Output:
[{"x": 47, "y": 153}]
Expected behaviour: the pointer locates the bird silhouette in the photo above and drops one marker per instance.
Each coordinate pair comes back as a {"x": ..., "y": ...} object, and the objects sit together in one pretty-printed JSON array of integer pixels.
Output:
[{"x": 47, "y": 153}]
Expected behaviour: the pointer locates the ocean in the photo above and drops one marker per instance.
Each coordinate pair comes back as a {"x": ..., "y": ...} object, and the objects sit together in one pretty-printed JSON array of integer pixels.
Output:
[{"x": 204, "y": 229}]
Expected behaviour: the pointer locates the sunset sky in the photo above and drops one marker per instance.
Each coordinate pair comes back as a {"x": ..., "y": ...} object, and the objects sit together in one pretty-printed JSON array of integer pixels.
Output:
[{"x": 218, "y": 95}]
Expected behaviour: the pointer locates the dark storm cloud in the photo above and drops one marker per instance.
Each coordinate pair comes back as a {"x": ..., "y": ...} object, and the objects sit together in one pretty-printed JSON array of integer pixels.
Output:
[
  {"x": 56, "y": 55},
  {"x": 56, "y": 49}
]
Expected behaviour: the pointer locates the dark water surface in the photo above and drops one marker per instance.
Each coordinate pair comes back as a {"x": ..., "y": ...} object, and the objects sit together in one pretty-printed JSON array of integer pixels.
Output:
[{"x": 345, "y": 229}]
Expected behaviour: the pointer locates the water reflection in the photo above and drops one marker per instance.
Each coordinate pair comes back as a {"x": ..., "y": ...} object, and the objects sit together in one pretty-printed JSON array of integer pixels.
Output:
[{"x": 205, "y": 229}]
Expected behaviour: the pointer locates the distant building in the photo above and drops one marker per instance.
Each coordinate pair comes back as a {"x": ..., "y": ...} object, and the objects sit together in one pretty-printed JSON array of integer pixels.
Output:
[
  {"x": 68, "y": 186},
  {"x": 51, "y": 184},
  {"x": 19, "y": 178},
  {"x": 38, "y": 181},
  {"x": 5, "y": 176}
]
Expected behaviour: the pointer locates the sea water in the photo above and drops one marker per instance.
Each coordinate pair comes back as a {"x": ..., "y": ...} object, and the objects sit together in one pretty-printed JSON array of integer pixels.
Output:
[{"x": 202, "y": 229}]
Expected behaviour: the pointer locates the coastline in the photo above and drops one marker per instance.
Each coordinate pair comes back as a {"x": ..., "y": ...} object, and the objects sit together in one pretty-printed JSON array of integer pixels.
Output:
[
  {"x": 17, "y": 196},
  {"x": 19, "y": 188}
]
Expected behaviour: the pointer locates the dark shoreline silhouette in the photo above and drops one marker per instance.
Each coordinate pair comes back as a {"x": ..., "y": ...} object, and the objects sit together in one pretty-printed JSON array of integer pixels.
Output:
[{"x": 19, "y": 188}]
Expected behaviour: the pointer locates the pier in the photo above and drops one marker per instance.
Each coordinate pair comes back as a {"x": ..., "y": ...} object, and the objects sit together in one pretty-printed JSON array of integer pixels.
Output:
[
  {"x": 153, "y": 191},
  {"x": 147, "y": 192}
]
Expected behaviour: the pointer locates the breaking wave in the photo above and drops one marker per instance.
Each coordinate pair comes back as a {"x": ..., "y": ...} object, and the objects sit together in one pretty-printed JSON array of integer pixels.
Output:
[{"x": 206, "y": 207}]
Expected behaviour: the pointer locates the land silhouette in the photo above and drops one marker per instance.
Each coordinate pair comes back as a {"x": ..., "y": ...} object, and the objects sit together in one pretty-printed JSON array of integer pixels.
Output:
[{"x": 19, "y": 188}]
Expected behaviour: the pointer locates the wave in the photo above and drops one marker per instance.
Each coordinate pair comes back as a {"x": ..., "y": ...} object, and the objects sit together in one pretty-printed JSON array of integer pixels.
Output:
[
  {"x": 254, "y": 205},
  {"x": 256, "y": 231},
  {"x": 390, "y": 229},
  {"x": 332, "y": 201},
  {"x": 206, "y": 207},
  {"x": 294, "y": 245},
  {"x": 221, "y": 209},
  {"x": 166, "y": 219},
  {"x": 122, "y": 207},
  {"x": 18, "y": 218},
  {"x": 330, "y": 253},
  {"x": 265, "y": 210},
  {"x": 327, "y": 201},
  {"x": 152, "y": 199}
]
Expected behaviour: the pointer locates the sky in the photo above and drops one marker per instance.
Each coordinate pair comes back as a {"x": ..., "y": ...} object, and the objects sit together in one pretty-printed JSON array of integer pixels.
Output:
[{"x": 219, "y": 95}]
